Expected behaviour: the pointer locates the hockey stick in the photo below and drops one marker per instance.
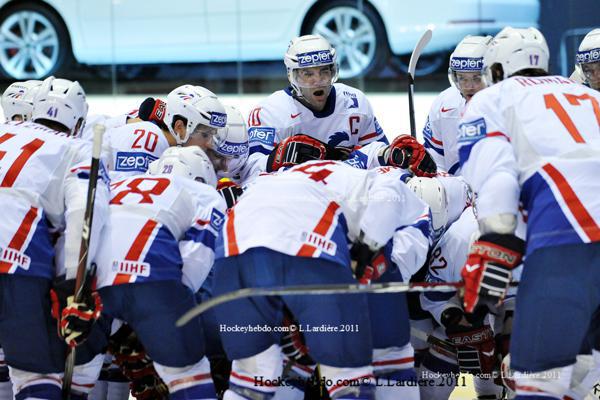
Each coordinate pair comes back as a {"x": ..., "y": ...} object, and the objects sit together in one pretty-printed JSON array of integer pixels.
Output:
[
  {"x": 83, "y": 249},
  {"x": 343, "y": 288},
  {"x": 412, "y": 67}
]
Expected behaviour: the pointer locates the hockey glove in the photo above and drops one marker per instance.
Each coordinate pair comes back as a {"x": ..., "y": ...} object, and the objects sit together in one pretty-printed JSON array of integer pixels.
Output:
[
  {"x": 374, "y": 269},
  {"x": 230, "y": 191},
  {"x": 153, "y": 110},
  {"x": 75, "y": 320},
  {"x": 295, "y": 150},
  {"x": 136, "y": 366},
  {"x": 475, "y": 349},
  {"x": 487, "y": 270},
  {"x": 407, "y": 153}
]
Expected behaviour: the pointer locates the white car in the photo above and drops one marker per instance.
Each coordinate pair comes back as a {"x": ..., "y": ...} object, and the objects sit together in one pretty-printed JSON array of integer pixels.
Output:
[{"x": 39, "y": 38}]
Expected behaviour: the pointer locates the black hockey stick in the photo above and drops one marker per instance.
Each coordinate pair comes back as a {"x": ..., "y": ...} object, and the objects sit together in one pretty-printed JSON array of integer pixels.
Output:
[
  {"x": 83, "y": 249},
  {"x": 412, "y": 67},
  {"x": 343, "y": 288}
]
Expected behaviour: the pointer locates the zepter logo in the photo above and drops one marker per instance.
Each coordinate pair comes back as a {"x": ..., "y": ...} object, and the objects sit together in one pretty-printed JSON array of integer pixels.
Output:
[
  {"x": 462, "y": 64},
  {"x": 588, "y": 56},
  {"x": 315, "y": 58}
]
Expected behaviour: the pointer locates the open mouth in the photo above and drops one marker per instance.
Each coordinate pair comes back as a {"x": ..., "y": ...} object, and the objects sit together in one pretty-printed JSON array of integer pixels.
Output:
[{"x": 318, "y": 93}]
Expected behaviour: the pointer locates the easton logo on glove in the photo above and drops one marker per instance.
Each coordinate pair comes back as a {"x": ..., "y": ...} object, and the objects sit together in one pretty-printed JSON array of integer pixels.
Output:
[{"x": 486, "y": 272}]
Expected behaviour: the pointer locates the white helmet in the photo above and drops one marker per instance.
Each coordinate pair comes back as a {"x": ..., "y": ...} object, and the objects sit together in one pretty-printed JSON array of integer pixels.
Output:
[
  {"x": 589, "y": 52},
  {"x": 468, "y": 56},
  {"x": 231, "y": 142},
  {"x": 309, "y": 51},
  {"x": 198, "y": 106},
  {"x": 516, "y": 49},
  {"x": 62, "y": 101},
  {"x": 17, "y": 99},
  {"x": 190, "y": 162},
  {"x": 433, "y": 193}
]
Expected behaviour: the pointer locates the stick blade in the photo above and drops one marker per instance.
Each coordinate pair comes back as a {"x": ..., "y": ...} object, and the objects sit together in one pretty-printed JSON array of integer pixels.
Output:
[{"x": 414, "y": 58}]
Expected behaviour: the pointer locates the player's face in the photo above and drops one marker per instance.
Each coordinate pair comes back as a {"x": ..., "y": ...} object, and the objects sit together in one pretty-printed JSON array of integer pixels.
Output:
[
  {"x": 202, "y": 136},
  {"x": 315, "y": 84},
  {"x": 219, "y": 161},
  {"x": 469, "y": 83},
  {"x": 592, "y": 74}
]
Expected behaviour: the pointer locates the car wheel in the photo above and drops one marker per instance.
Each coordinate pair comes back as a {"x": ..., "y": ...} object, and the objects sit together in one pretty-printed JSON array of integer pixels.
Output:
[
  {"x": 426, "y": 65},
  {"x": 357, "y": 35},
  {"x": 33, "y": 42}
]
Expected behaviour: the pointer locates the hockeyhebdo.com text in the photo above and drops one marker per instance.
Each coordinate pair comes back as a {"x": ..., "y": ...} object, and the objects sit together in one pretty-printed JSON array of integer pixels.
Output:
[{"x": 322, "y": 328}]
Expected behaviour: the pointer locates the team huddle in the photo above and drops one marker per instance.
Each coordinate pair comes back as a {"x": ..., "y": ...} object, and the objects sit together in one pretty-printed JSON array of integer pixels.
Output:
[{"x": 194, "y": 200}]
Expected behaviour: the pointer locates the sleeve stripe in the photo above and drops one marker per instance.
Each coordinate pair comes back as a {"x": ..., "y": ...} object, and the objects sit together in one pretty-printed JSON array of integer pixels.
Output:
[
  {"x": 369, "y": 136},
  {"x": 438, "y": 142},
  {"x": 498, "y": 134}
]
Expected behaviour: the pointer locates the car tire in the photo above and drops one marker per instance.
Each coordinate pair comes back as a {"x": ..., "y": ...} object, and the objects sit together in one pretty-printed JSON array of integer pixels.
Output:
[
  {"x": 41, "y": 43},
  {"x": 426, "y": 65},
  {"x": 362, "y": 48}
]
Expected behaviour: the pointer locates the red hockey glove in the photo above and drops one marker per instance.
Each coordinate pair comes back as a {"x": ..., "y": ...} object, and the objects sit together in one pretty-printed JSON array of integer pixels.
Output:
[
  {"x": 230, "y": 191},
  {"x": 487, "y": 270},
  {"x": 153, "y": 110},
  {"x": 475, "y": 350},
  {"x": 75, "y": 320},
  {"x": 295, "y": 150},
  {"x": 407, "y": 153},
  {"x": 373, "y": 271}
]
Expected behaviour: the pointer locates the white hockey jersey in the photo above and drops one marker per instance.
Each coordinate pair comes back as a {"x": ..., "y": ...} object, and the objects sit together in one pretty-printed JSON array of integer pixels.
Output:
[
  {"x": 129, "y": 149},
  {"x": 441, "y": 129},
  {"x": 43, "y": 189},
  {"x": 346, "y": 121},
  {"x": 320, "y": 207},
  {"x": 537, "y": 140},
  {"x": 160, "y": 227}
]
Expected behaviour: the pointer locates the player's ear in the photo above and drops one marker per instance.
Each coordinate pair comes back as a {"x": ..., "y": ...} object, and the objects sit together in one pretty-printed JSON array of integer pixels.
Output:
[
  {"x": 497, "y": 72},
  {"x": 179, "y": 127}
]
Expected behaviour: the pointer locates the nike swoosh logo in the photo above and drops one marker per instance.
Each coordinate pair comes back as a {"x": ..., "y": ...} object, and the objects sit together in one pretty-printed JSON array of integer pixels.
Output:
[
  {"x": 446, "y": 109},
  {"x": 471, "y": 268},
  {"x": 295, "y": 115},
  {"x": 487, "y": 353}
]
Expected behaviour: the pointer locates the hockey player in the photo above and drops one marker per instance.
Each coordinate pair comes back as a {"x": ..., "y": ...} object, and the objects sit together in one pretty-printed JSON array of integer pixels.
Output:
[
  {"x": 17, "y": 100},
  {"x": 332, "y": 204},
  {"x": 192, "y": 116},
  {"x": 156, "y": 251},
  {"x": 534, "y": 137},
  {"x": 314, "y": 114},
  {"x": 43, "y": 176},
  {"x": 464, "y": 74},
  {"x": 587, "y": 66}
]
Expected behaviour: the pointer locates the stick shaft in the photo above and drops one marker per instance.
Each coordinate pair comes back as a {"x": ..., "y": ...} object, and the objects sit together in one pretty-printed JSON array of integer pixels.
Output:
[{"x": 83, "y": 249}]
